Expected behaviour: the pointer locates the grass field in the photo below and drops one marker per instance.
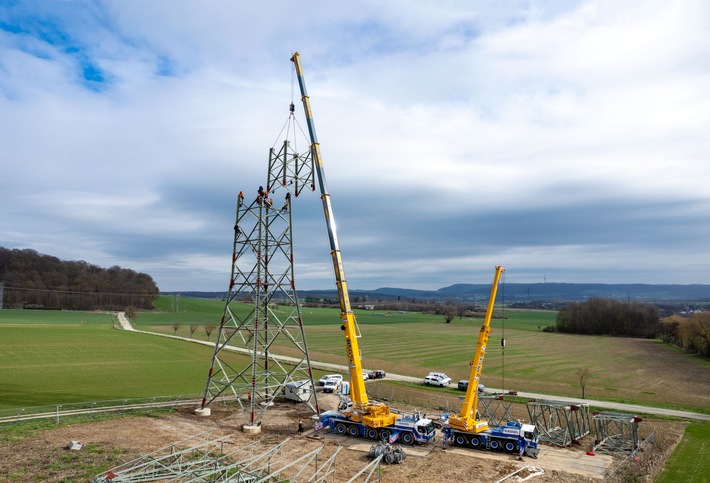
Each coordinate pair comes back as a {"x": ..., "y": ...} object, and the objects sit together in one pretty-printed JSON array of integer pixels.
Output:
[
  {"x": 51, "y": 357},
  {"x": 54, "y": 357},
  {"x": 58, "y": 357},
  {"x": 689, "y": 461},
  {"x": 622, "y": 369}
]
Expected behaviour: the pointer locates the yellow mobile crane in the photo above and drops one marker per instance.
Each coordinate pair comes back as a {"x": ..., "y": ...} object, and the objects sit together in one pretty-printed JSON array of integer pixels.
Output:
[
  {"x": 467, "y": 428},
  {"x": 361, "y": 417}
]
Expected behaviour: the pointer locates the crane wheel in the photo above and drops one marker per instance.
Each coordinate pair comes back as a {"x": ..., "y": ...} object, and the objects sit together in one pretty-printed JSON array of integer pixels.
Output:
[
  {"x": 495, "y": 444},
  {"x": 475, "y": 442},
  {"x": 340, "y": 428},
  {"x": 509, "y": 446},
  {"x": 353, "y": 431},
  {"x": 460, "y": 440},
  {"x": 385, "y": 435},
  {"x": 371, "y": 433},
  {"x": 407, "y": 438}
]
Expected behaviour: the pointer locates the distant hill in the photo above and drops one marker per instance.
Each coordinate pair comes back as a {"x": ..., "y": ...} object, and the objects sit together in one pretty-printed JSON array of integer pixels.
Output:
[{"x": 517, "y": 292}]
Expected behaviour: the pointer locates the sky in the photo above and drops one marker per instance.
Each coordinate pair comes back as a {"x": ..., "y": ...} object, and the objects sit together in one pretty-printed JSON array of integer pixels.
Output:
[{"x": 565, "y": 140}]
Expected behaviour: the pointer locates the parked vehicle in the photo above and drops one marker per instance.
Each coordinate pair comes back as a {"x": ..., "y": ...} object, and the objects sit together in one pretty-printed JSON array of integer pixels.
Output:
[
  {"x": 463, "y": 385},
  {"x": 360, "y": 416},
  {"x": 377, "y": 374},
  {"x": 327, "y": 377},
  {"x": 437, "y": 379},
  {"x": 439, "y": 374},
  {"x": 467, "y": 428},
  {"x": 407, "y": 429},
  {"x": 332, "y": 385}
]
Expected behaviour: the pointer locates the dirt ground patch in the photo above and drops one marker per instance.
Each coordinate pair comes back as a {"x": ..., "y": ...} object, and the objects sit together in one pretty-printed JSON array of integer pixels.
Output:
[{"x": 43, "y": 456}]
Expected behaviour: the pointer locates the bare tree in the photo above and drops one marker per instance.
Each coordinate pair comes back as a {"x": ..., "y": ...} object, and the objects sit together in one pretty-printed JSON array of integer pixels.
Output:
[
  {"x": 450, "y": 311},
  {"x": 583, "y": 373},
  {"x": 193, "y": 328},
  {"x": 131, "y": 312},
  {"x": 176, "y": 326},
  {"x": 208, "y": 330}
]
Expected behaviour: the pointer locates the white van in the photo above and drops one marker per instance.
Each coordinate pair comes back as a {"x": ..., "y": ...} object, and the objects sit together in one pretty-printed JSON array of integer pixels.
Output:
[{"x": 328, "y": 377}]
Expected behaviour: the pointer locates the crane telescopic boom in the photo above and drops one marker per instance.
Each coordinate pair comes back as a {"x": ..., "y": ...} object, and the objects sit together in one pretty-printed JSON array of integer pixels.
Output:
[
  {"x": 467, "y": 420},
  {"x": 375, "y": 414}
]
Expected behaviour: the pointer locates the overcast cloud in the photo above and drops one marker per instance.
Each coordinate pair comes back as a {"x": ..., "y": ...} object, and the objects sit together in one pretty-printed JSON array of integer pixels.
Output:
[{"x": 567, "y": 141}]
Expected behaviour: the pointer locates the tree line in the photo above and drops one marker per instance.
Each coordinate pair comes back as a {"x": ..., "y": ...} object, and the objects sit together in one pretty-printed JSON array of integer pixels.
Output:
[
  {"x": 691, "y": 333},
  {"x": 33, "y": 280},
  {"x": 602, "y": 316}
]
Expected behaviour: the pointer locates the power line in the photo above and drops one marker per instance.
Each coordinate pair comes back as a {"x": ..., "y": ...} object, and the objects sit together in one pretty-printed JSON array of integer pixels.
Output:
[{"x": 76, "y": 292}]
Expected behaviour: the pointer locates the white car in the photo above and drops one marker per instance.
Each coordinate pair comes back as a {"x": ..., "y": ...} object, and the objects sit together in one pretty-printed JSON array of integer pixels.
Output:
[
  {"x": 438, "y": 374},
  {"x": 328, "y": 377},
  {"x": 365, "y": 376},
  {"x": 438, "y": 379}
]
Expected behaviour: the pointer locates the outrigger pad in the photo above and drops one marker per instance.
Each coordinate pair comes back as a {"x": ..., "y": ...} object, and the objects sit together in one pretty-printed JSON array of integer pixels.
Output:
[{"x": 532, "y": 452}]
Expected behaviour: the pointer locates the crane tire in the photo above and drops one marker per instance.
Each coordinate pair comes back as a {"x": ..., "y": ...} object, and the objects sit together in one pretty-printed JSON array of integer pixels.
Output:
[
  {"x": 510, "y": 446},
  {"x": 340, "y": 428},
  {"x": 407, "y": 438},
  {"x": 460, "y": 440},
  {"x": 475, "y": 442},
  {"x": 385, "y": 435},
  {"x": 495, "y": 444},
  {"x": 371, "y": 433},
  {"x": 353, "y": 431}
]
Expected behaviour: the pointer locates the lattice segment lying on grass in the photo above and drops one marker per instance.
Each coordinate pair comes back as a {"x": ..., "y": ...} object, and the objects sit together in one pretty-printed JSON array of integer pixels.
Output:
[
  {"x": 616, "y": 432},
  {"x": 559, "y": 423}
]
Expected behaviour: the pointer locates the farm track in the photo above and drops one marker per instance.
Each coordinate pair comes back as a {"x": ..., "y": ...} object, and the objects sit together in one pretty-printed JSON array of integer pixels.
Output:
[{"x": 630, "y": 408}]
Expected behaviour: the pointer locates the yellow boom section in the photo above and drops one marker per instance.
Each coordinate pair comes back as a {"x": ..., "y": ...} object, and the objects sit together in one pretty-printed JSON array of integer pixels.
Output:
[
  {"x": 467, "y": 419},
  {"x": 375, "y": 415}
]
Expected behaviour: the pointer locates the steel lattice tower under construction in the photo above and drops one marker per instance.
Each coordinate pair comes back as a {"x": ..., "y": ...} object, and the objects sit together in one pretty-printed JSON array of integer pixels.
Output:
[{"x": 262, "y": 315}]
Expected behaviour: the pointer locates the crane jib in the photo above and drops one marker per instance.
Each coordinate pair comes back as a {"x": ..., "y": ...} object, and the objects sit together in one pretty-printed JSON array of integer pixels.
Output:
[{"x": 349, "y": 324}]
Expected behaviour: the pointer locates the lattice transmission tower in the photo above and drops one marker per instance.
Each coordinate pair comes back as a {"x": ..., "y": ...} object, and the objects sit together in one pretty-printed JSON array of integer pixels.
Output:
[{"x": 262, "y": 315}]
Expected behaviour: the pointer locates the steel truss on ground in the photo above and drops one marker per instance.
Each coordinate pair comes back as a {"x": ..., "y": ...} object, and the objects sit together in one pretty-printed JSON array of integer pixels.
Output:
[
  {"x": 559, "y": 423},
  {"x": 206, "y": 460},
  {"x": 496, "y": 409},
  {"x": 616, "y": 432},
  {"x": 262, "y": 312}
]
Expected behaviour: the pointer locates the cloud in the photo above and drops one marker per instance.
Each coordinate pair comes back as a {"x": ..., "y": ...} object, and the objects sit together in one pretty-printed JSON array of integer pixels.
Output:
[{"x": 565, "y": 140}]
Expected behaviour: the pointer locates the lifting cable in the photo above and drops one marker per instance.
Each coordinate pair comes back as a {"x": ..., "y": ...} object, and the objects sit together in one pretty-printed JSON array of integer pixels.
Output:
[{"x": 502, "y": 340}]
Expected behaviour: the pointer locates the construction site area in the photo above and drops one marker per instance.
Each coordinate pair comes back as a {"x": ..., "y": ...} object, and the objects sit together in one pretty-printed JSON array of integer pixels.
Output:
[{"x": 169, "y": 447}]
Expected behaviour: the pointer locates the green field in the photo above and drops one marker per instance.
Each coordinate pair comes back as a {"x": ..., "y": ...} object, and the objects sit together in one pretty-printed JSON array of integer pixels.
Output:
[
  {"x": 62, "y": 357},
  {"x": 51, "y": 357},
  {"x": 55, "y": 357},
  {"x": 689, "y": 461},
  {"x": 622, "y": 369}
]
